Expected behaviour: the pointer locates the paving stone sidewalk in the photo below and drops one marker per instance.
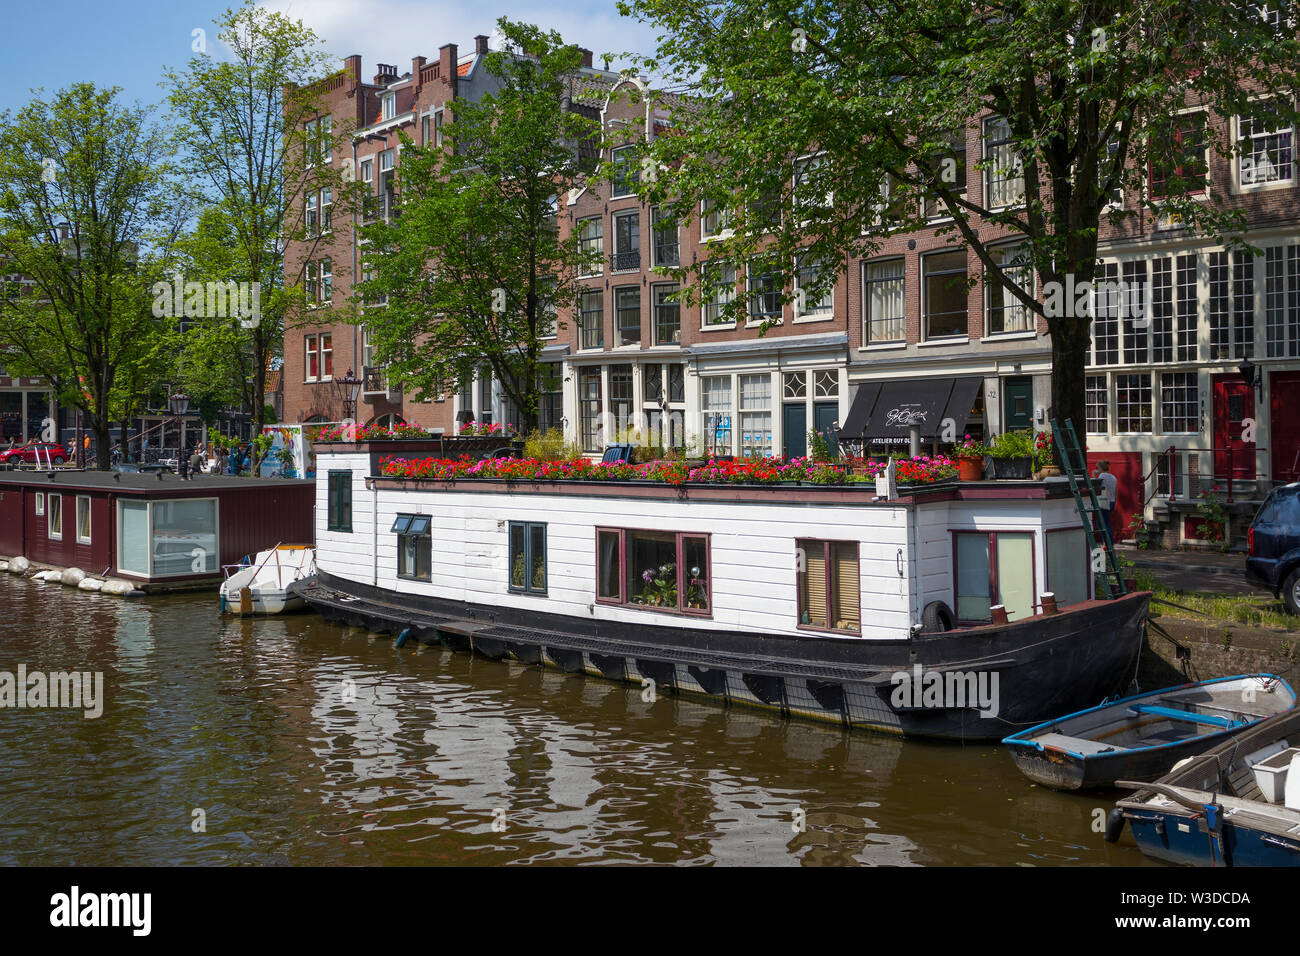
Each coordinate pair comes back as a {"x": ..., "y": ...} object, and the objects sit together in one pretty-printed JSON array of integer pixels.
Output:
[{"x": 1205, "y": 572}]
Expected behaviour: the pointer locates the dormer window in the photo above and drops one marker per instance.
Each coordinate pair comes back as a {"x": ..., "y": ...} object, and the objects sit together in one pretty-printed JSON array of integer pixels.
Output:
[{"x": 388, "y": 106}]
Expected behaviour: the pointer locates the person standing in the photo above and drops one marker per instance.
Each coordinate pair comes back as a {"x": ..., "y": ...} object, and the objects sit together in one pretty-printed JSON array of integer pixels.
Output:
[{"x": 1109, "y": 494}]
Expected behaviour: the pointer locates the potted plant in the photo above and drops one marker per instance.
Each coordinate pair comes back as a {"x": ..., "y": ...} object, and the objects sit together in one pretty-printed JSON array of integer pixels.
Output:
[
  {"x": 1011, "y": 455},
  {"x": 970, "y": 459},
  {"x": 1045, "y": 455},
  {"x": 1138, "y": 525}
]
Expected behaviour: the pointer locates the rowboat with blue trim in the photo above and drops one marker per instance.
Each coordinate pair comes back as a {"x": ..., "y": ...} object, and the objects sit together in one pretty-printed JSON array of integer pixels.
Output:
[{"x": 1142, "y": 737}]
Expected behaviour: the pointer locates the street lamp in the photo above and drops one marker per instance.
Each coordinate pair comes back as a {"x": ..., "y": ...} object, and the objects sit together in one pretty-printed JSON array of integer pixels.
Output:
[
  {"x": 179, "y": 404},
  {"x": 348, "y": 388}
]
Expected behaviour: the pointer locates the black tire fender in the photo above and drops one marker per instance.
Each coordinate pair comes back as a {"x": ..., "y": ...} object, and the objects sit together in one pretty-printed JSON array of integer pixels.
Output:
[{"x": 936, "y": 618}]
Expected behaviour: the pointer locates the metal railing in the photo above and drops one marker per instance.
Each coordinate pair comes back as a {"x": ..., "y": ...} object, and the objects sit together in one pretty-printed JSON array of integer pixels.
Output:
[{"x": 1169, "y": 460}]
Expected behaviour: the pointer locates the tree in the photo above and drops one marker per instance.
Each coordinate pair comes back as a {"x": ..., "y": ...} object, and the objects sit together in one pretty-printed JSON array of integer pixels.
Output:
[
  {"x": 474, "y": 268},
  {"x": 89, "y": 210},
  {"x": 248, "y": 125},
  {"x": 877, "y": 93}
]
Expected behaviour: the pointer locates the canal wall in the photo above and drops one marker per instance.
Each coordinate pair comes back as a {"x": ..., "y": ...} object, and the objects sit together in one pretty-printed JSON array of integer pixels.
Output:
[{"x": 1183, "y": 649}]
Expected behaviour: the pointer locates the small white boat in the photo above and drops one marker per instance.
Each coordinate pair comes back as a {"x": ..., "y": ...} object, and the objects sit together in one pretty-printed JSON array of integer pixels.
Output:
[{"x": 262, "y": 585}]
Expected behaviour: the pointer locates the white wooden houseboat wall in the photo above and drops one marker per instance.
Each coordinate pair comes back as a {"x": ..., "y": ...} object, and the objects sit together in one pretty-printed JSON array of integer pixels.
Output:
[{"x": 752, "y": 547}]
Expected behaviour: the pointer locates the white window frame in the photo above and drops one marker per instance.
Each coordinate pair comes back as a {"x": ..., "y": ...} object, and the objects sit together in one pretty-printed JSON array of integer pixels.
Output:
[
  {"x": 599, "y": 241},
  {"x": 54, "y": 511},
  {"x": 812, "y": 315},
  {"x": 1009, "y": 301},
  {"x": 1237, "y": 171},
  {"x": 991, "y": 164},
  {"x": 311, "y": 347},
  {"x": 812, "y": 160},
  {"x": 387, "y": 106},
  {"x": 89, "y": 520},
  {"x": 722, "y": 222},
  {"x": 722, "y": 298},
  {"x": 40, "y": 503}
]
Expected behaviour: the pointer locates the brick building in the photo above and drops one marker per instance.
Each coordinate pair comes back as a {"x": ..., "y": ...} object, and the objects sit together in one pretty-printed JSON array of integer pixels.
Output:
[{"x": 899, "y": 338}]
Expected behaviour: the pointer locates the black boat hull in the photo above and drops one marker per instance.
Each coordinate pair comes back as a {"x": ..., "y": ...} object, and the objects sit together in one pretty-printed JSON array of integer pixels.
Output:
[{"x": 1038, "y": 667}]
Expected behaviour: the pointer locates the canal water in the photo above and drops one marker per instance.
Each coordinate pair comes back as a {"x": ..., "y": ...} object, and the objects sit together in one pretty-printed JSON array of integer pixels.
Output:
[{"x": 292, "y": 741}]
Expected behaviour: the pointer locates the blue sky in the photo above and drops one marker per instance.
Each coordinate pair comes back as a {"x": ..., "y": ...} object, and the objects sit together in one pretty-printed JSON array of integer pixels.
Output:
[{"x": 127, "y": 43}]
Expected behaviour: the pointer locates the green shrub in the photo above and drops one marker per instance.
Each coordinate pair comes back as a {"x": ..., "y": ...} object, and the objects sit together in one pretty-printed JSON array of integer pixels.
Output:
[
  {"x": 1012, "y": 445},
  {"x": 550, "y": 446}
]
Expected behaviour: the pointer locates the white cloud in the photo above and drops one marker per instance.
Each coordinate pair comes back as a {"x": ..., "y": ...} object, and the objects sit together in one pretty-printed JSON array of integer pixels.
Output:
[{"x": 394, "y": 31}]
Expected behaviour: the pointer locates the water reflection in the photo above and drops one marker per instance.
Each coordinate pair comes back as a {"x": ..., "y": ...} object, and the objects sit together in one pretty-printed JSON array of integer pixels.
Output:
[{"x": 301, "y": 742}]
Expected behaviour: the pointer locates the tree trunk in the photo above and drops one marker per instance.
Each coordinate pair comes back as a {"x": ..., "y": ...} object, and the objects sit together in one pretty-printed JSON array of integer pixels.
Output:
[{"x": 1071, "y": 337}]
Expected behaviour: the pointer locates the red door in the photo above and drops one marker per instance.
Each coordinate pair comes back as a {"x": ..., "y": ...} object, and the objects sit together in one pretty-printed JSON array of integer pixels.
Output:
[
  {"x": 1234, "y": 422},
  {"x": 1284, "y": 425}
]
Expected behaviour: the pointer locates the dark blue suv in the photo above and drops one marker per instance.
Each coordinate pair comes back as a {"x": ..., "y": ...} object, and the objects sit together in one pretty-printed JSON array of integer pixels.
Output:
[{"x": 1273, "y": 546}]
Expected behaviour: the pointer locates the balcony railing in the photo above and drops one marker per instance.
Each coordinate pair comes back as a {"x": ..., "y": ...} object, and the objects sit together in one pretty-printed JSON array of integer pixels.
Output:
[
  {"x": 374, "y": 381},
  {"x": 625, "y": 261}
]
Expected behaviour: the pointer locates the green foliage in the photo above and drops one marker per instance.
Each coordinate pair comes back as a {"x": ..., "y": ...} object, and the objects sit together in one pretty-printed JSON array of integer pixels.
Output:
[
  {"x": 248, "y": 144},
  {"x": 474, "y": 268},
  {"x": 550, "y": 446},
  {"x": 1214, "y": 518},
  {"x": 82, "y": 161},
  {"x": 880, "y": 92},
  {"x": 1018, "y": 444},
  {"x": 818, "y": 448}
]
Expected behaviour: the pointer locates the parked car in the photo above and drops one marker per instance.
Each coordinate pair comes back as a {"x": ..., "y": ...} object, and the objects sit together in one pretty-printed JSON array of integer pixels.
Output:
[
  {"x": 49, "y": 451},
  {"x": 1273, "y": 546}
]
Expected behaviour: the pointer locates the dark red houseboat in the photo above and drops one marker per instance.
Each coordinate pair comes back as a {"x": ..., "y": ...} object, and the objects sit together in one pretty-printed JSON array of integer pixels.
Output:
[{"x": 159, "y": 531}]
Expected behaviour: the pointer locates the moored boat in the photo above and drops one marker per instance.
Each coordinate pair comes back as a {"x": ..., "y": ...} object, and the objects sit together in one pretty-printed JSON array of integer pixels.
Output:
[
  {"x": 1142, "y": 737},
  {"x": 1237, "y": 804},
  {"x": 262, "y": 586},
  {"x": 925, "y": 611}
]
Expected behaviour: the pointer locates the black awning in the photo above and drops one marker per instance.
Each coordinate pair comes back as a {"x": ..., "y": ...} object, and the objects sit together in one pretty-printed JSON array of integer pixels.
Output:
[
  {"x": 960, "y": 402},
  {"x": 860, "y": 411},
  {"x": 884, "y": 412}
]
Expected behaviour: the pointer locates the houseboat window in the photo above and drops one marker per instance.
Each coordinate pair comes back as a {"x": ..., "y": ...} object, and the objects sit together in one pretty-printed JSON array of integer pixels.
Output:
[
  {"x": 528, "y": 557},
  {"x": 133, "y": 537},
  {"x": 414, "y": 547},
  {"x": 667, "y": 571},
  {"x": 340, "y": 501},
  {"x": 40, "y": 502},
  {"x": 607, "y": 561},
  {"x": 83, "y": 519},
  {"x": 184, "y": 536},
  {"x": 994, "y": 568},
  {"x": 1067, "y": 565},
  {"x": 829, "y": 592},
  {"x": 54, "y": 522}
]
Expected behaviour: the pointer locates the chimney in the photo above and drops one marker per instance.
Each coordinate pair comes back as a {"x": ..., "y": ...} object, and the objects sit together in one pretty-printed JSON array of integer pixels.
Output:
[
  {"x": 387, "y": 74},
  {"x": 586, "y": 56},
  {"x": 480, "y": 44},
  {"x": 417, "y": 64},
  {"x": 447, "y": 56},
  {"x": 352, "y": 66}
]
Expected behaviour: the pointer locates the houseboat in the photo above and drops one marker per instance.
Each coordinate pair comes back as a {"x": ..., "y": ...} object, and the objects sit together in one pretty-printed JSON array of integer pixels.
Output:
[
  {"x": 156, "y": 530},
  {"x": 956, "y": 610}
]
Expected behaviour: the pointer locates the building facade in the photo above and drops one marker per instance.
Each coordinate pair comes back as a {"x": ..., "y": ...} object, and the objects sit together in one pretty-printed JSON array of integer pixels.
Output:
[{"x": 910, "y": 335}]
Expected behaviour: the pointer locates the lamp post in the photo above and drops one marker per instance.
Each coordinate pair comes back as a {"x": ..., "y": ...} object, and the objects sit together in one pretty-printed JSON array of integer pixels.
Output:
[
  {"x": 348, "y": 389},
  {"x": 179, "y": 403}
]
